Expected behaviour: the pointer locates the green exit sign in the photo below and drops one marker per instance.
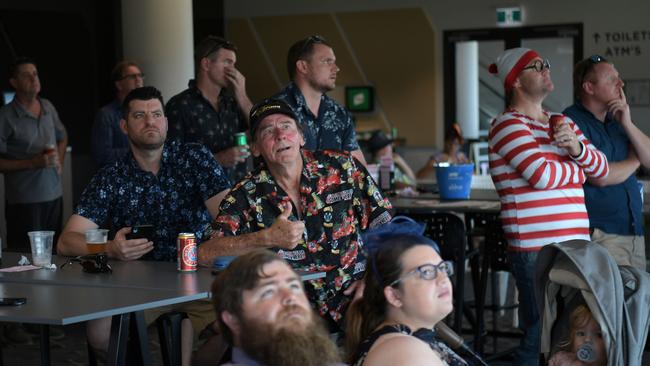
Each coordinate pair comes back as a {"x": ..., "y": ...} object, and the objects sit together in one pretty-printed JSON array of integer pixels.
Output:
[{"x": 508, "y": 17}]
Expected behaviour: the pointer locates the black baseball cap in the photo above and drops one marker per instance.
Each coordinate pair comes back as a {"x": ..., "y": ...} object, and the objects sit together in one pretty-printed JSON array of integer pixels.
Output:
[{"x": 266, "y": 108}]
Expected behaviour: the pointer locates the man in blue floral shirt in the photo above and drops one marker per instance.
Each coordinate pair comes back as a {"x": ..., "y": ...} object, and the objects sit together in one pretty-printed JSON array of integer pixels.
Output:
[
  {"x": 176, "y": 188},
  {"x": 326, "y": 124},
  {"x": 310, "y": 207}
]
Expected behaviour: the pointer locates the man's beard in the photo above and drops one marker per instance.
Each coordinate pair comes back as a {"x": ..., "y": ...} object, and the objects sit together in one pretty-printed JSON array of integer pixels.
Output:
[
  {"x": 292, "y": 345},
  {"x": 147, "y": 146}
]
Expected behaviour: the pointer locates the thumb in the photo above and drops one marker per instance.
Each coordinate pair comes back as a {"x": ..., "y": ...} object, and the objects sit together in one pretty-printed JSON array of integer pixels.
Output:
[{"x": 286, "y": 211}]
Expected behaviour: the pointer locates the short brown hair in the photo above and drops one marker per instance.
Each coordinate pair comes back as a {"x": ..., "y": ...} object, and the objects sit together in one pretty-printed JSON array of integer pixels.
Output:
[
  {"x": 301, "y": 50},
  {"x": 118, "y": 71},
  {"x": 582, "y": 71},
  {"x": 210, "y": 45},
  {"x": 244, "y": 273}
]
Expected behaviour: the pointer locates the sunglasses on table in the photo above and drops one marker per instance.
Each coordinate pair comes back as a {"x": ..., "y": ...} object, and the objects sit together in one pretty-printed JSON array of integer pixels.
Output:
[
  {"x": 92, "y": 263},
  {"x": 429, "y": 271}
]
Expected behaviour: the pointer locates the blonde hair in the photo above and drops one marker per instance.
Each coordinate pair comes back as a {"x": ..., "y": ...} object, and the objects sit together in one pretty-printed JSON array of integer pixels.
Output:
[{"x": 579, "y": 318}]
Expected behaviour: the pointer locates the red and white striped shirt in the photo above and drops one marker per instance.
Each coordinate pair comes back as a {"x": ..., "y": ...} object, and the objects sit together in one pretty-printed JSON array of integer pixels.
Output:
[{"x": 540, "y": 184}]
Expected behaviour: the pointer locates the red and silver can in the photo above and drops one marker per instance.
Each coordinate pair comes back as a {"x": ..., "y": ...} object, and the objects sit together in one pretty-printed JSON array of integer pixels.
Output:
[
  {"x": 554, "y": 121},
  {"x": 186, "y": 249}
]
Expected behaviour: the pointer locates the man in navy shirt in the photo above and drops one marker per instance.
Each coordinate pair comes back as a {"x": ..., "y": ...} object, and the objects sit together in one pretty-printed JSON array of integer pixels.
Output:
[
  {"x": 614, "y": 204},
  {"x": 326, "y": 124},
  {"x": 176, "y": 188}
]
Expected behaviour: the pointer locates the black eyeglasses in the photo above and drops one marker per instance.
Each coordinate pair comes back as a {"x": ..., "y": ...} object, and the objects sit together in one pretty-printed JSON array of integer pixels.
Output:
[
  {"x": 218, "y": 44},
  {"x": 92, "y": 263},
  {"x": 429, "y": 271},
  {"x": 538, "y": 65},
  {"x": 133, "y": 76},
  {"x": 593, "y": 60}
]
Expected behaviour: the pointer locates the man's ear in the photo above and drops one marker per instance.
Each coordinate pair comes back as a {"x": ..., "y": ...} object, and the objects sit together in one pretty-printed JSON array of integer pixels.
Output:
[
  {"x": 12, "y": 82},
  {"x": 231, "y": 322},
  {"x": 205, "y": 63},
  {"x": 588, "y": 87},
  {"x": 255, "y": 150},
  {"x": 123, "y": 126},
  {"x": 301, "y": 66},
  {"x": 393, "y": 296}
]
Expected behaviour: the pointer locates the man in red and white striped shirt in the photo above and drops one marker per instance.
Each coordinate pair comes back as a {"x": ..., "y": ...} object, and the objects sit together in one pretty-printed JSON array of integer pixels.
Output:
[{"x": 538, "y": 169}]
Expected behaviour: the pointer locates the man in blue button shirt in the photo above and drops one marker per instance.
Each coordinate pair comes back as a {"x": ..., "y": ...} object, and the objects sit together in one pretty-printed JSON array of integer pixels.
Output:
[
  {"x": 326, "y": 124},
  {"x": 614, "y": 203}
]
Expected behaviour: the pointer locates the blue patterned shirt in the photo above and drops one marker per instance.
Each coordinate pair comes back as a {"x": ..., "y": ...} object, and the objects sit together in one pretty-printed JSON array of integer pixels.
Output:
[
  {"x": 193, "y": 119},
  {"x": 332, "y": 129},
  {"x": 122, "y": 194},
  {"x": 109, "y": 143}
]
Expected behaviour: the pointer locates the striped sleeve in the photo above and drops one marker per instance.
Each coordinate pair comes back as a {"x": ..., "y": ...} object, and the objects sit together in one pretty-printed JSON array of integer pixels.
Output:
[
  {"x": 514, "y": 142},
  {"x": 591, "y": 160}
]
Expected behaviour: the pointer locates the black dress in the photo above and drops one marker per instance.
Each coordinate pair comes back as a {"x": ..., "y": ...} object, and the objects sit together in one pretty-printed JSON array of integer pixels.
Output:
[{"x": 428, "y": 336}]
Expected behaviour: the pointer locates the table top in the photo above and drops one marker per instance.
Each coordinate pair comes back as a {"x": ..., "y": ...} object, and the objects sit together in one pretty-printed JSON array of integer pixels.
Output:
[
  {"x": 62, "y": 305},
  {"x": 427, "y": 204}
]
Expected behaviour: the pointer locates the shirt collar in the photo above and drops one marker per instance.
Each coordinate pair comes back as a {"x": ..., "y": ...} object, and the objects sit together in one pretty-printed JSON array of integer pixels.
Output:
[
  {"x": 583, "y": 109},
  {"x": 21, "y": 112},
  {"x": 241, "y": 358}
]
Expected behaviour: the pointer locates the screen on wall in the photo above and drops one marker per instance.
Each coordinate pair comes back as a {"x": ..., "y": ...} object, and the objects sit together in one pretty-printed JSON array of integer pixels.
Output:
[{"x": 360, "y": 98}]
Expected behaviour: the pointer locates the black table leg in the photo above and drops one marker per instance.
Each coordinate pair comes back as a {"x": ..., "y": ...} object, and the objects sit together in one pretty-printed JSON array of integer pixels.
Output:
[
  {"x": 138, "y": 340},
  {"x": 45, "y": 345},
  {"x": 117, "y": 344}
]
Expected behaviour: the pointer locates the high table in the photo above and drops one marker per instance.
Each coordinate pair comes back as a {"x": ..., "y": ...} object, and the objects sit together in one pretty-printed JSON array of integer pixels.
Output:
[{"x": 69, "y": 295}]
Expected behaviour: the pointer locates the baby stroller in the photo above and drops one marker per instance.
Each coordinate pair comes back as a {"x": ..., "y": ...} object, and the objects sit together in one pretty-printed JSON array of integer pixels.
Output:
[{"x": 581, "y": 272}]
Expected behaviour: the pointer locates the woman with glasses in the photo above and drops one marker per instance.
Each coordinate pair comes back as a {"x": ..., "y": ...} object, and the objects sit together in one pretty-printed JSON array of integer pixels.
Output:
[{"x": 407, "y": 292}]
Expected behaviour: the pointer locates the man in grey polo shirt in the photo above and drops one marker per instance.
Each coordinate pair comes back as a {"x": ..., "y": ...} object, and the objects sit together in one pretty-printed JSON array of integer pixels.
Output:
[{"x": 32, "y": 147}]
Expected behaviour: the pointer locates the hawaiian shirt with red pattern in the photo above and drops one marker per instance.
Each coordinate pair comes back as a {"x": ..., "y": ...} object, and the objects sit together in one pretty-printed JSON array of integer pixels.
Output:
[{"x": 339, "y": 199}]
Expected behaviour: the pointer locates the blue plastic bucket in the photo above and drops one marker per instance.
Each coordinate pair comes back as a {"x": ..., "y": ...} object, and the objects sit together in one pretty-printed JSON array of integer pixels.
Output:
[{"x": 455, "y": 181}]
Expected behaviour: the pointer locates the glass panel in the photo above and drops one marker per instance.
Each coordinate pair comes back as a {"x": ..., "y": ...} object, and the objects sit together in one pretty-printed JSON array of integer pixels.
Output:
[{"x": 490, "y": 90}]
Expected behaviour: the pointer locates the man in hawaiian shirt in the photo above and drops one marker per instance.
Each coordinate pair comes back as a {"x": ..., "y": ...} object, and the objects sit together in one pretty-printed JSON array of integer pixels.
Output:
[
  {"x": 176, "y": 188},
  {"x": 310, "y": 207},
  {"x": 215, "y": 106},
  {"x": 326, "y": 125}
]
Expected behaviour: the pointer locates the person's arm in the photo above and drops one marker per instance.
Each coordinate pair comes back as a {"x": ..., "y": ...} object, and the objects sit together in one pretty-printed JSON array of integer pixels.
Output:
[
  {"x": 514, "y": 142},
  {"x": 619, "y": 171},
  {"x": 38, "y": 161},
  {"x": 406, "y": 169},
  {"x": 358, "y": 154},
  {"x": 427, "y": 170},
  {"x": 641, "y": 142},
  {"x": 282, "y": 234},
  {"x": 72, "y": 241},
  {"x": 238, "y": 87}
]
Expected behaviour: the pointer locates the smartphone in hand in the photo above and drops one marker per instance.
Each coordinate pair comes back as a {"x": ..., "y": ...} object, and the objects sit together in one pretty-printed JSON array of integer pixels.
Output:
[{"x": 140, "y": 232}]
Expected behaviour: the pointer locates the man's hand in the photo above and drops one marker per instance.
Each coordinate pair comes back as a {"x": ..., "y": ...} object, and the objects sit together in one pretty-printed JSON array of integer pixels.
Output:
[
  {"x": 287, "y": 234},
  {"x": 357, "y": 288},
  {"x": 232, "y": 156},
  {"x": 619, "y": 108},
  {"x": 236, "y": 80},
  {"x": 127, "y": 250},
  {"x": 565, "y": 137}
]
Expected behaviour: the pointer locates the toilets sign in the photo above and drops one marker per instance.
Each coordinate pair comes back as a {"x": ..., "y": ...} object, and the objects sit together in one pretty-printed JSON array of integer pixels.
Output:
[{"x": 623, "y": 43}]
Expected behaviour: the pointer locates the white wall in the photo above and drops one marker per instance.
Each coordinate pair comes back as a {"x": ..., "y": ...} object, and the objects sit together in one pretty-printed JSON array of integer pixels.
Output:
[{"x": 601, "y": 18}]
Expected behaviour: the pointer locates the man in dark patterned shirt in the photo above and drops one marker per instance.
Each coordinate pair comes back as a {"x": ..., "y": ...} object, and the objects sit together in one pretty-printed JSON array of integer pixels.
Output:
[
  {"x": 214, "y": 107},
  {"x": 310, "y": 207},
  {"x": 176, "y": 188},
  {"x": 326, "y": 124}
]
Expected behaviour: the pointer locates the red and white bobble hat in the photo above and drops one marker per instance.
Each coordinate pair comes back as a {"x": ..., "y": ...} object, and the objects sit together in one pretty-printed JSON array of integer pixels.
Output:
[{"x": 510, "y": 63}]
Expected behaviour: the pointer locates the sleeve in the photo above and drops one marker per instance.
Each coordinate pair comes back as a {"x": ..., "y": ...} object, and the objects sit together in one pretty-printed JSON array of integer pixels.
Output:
[
  {"x": 591, "y": 160},
  {"x": 102, "y": 140},
  {"x": 515, "y": 144},
  {"x": 59, "y": 129},
  {"x": 176, "y": 120},
  {"x": 234, "y": 215},
  {"x": 374, "y": 208},
  {"x": 208, "y": 173},
  {"x": 349, "y": 136},
  {"x": 96, "y": 199}
]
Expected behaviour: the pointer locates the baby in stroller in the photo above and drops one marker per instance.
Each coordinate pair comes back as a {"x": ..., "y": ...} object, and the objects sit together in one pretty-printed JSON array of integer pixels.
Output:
[{"x": 585, "y": 345}]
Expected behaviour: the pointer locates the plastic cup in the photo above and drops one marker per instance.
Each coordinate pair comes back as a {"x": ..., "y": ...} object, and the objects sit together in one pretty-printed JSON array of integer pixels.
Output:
[
  {"x": 96, "y": 240},
  {"x": 41, "y": 243}
]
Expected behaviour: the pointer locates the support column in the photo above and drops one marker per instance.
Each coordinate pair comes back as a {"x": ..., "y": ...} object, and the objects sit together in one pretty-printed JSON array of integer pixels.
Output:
[
  {"x": 467, "y": 88},
  {"x": 158, "y": 35}
]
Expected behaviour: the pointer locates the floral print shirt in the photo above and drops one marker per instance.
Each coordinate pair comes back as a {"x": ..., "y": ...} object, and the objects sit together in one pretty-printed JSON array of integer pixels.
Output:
[
  {"x": 339, "y": 199},
  {"x": 332, "y": 129},
  {"x": 173, "y": 201},
  {"x": 193, "y": 119}
]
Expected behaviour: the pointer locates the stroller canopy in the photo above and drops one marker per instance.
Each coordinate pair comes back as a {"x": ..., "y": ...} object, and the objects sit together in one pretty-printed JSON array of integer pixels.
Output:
[{"x": 577, "y": 270}]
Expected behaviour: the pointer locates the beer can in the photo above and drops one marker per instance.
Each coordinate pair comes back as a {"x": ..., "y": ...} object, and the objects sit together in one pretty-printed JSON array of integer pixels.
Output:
[
  {"x": 555, "y": 120},
  {"x": 186, "y": 249},
  {"x": 240, "y": 139}
]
